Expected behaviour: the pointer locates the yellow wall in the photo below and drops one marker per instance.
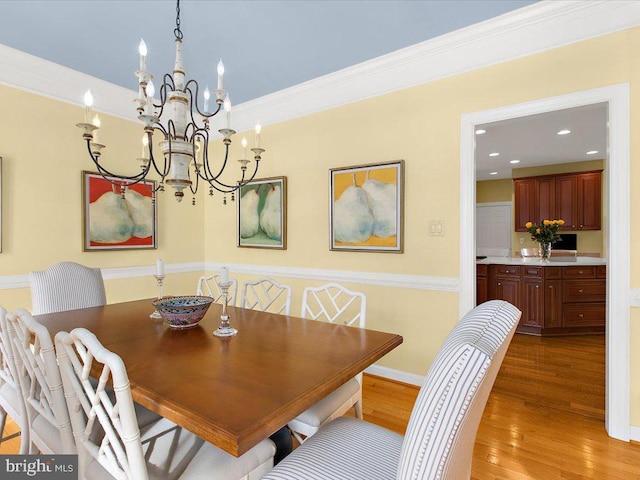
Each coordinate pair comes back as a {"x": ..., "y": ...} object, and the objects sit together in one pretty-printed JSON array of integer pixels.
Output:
[
  {"x": 42, "y": 214},
  {"x": 590, "y": 242},
  {"x": 422, "y": 126}
]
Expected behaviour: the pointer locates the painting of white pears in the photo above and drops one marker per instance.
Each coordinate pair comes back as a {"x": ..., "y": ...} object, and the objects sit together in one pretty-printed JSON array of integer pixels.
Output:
[
  {"x": 262, "y": 214},
  {"x": 366, "y": 207},
  {"x": 113, "y": 221}
]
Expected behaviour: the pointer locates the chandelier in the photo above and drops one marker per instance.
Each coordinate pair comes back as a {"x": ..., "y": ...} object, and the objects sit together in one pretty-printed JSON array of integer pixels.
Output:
[{"x": 184, "y": 126}]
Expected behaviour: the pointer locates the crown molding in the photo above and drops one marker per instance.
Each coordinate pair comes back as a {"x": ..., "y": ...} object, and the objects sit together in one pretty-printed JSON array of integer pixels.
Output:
[{"x": 528, "y": 30}]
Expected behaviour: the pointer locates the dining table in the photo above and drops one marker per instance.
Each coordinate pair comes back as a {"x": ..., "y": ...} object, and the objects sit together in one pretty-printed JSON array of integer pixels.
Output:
[{"x": 234, "y": 391}]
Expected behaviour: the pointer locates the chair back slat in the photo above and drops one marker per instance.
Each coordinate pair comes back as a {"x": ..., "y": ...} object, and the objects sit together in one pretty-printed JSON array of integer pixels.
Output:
[
  {"x": 209, "y": 285},
  {"x": 266, "y": 295},
  {"x": 334, "y": 303}
]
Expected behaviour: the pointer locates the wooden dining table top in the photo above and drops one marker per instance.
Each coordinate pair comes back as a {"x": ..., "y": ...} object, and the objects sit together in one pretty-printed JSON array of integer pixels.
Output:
[{"x": 235, "y": 391}]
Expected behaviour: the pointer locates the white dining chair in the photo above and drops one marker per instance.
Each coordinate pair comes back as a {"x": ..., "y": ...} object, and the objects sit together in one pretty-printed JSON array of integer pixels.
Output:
[
  {"x": 168, "y": 451},
  {"x": 439, "y": 441},
  {"x": 335, "y": 304},
  {"x": 66, "y": 286},
  {"x": 210, "y": 285},
  {"x": 266, "y": 295},
  {"x": 41, "y": 386},
  {"x": 11, "y": 401}
]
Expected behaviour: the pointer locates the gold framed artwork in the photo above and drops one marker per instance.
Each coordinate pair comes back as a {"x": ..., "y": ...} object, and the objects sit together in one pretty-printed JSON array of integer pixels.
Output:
[
  {"x": 114, "y": 222},
  {"x": 366, "y": 207},
  {"x": 262, "y": 214}
]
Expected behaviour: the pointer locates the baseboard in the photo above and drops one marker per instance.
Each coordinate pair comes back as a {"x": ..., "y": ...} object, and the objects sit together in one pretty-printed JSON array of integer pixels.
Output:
[
  {"x": 397, "y": 375},
  {"x": 634, "y": 433}
]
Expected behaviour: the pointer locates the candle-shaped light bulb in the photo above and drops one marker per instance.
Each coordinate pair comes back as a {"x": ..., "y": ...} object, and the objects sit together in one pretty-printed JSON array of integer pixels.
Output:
[
  {"x": 244, "y": 147},
  {"x": 207, "y": 96},
  {"x": 151, "y": 89},
  {"x": 160, "y": 267},
  {"x": 96, "y": 123},
  {"x": 142, "y": 50},
  {"x": 220, "y": 74},
  {"x": 145, "y": 142},
  {"x": 88, "y": 102},
  {"x": 224, "y": 275},
  {"x": 227, "y": 109},
  {"x": 258, "y": 130}
]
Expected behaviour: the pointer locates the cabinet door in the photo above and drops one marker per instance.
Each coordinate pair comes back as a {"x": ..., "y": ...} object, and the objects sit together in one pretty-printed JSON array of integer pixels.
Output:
[
  {"x": 589, "y": 201},
  {"x": 553, "y": 304},
  {"x": 532, "y": 303},
  {"x": 524, "y": 192},
  {"x": 482, "y": 290},
  {"x": 508, "y": 290},
  {"x": 567, "y": 201},
  {"x": 546, "y": 199}
]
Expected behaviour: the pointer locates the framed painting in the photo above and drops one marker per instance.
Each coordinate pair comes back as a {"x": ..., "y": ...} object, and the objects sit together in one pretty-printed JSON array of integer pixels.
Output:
[
  {"x": 262, "y": 214},
  {"x": 366, "y": 208},
  {"x": 111, "y": 222}
]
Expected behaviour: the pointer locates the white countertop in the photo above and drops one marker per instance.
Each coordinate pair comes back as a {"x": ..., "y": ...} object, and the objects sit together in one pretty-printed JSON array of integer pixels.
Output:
[{"x": 553, "y": 261}]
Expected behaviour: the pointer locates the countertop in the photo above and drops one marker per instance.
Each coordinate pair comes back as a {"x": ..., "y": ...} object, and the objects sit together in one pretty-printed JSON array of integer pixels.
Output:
[{"x": 553, "y": 261}]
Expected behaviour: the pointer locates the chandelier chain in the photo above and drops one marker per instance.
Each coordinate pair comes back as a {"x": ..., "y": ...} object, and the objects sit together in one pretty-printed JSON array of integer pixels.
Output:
[{"x": 177, "y": 32}]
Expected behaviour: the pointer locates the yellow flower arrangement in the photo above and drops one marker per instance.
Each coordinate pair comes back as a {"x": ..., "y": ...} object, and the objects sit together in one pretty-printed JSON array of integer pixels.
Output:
[{"x": 546, "y": 232}]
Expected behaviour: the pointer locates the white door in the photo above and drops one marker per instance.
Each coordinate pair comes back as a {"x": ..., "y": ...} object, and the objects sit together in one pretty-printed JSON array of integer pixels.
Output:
[{"x": 493, "y": 229}]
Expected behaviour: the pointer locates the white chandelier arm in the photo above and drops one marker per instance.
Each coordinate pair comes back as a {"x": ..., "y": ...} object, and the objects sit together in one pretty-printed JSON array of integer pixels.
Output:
[{"x": 194, "y": 103}]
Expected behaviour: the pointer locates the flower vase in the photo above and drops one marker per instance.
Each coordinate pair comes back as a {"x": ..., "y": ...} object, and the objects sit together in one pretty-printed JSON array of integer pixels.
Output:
[{"x": 545, "y": 251}]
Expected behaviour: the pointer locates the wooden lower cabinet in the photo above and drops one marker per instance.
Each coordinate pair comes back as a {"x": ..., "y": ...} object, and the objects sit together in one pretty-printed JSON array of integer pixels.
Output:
[{"x": 553, "y": 300}]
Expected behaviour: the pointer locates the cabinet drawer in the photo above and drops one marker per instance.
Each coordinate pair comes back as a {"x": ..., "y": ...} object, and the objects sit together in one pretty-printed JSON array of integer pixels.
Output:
[
  {"x": 532, "y": 272},
  {"x": 507, "y": 271},
  {"x": 583, "y": 315},
  {"x": 481, "y": 270},
  {"x": 584, "y": 291},
  {"x": 579, "y": 272},
  {"x": 552, "y": 273}
]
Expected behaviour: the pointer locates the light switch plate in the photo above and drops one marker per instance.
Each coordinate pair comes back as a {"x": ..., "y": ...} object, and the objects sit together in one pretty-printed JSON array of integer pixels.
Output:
[{"x": 436, "y": 228}]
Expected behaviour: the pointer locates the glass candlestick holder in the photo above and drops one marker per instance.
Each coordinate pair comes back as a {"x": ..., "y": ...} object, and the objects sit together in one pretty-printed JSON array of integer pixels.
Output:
[
  {"x": 160, "y": 280},
  {"x": 225, "y": 329}
]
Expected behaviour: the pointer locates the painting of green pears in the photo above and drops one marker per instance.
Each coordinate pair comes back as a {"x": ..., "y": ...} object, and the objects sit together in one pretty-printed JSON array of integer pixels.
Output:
[
  {"x": 262, "y": 213},
  {"x": 366, "y": 207}
]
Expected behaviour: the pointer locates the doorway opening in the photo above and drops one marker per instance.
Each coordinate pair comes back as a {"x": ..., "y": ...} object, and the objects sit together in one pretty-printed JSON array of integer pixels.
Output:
[{"x": 617, "y": 241}]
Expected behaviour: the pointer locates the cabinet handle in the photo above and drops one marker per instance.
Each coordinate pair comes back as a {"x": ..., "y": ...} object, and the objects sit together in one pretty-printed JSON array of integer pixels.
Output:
[
  {"x": 573, "y": 226},
  {"x": 580, "y": 290},
  {"x": 581, "y": 225},
  {"x": 506, "y": 271},
  {"x": 580, "y": 272},
  {"x": 499, "y": 284},
  {"x": 581, "y": 315},
  {"x": 551, "y": 287},
  {"x": 537, "y": 286}
]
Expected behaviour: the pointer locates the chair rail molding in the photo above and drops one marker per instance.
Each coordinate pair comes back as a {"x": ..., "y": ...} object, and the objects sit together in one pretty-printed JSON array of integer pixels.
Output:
[{"x": 535, "y": 28}]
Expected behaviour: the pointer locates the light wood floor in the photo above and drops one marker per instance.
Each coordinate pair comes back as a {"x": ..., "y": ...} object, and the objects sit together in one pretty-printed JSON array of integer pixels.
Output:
[{"x": 543, "y": 421}]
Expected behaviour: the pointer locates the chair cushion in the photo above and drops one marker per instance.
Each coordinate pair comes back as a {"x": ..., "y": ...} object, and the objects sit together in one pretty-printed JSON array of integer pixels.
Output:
[
  {"x": 344, "y": 449},
  {"x": 47, "y": 433},
  {"x": 10, "y": 401},
  {"x": 319, "y": 412}
]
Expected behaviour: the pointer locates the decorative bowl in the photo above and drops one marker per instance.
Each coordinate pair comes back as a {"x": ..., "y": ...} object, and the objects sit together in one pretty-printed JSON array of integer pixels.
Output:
[{"x": 182, "y": 311}]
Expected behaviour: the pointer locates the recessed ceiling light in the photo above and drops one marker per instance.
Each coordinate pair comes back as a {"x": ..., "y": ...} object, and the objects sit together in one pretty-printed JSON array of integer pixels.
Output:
[
  {"x": 493, "y": 173},
  {"x": 480, "y": 131},
  {"x": 514, "y": 161},
  {"x": 494, "y": 154},
  {"x": 592, "y": 152},
  {"x": 564, "y": 132}
]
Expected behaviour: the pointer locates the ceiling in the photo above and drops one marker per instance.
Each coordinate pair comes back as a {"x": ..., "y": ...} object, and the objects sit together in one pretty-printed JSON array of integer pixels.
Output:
[
  {"x": 266, "y": 45},
  {"x": 534, "y": 140},
  {"x": 269, "y": 45}
]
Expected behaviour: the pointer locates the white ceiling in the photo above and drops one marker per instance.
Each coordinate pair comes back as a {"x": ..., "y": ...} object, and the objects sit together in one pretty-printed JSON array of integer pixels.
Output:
[{"x": 534, "y": 140}]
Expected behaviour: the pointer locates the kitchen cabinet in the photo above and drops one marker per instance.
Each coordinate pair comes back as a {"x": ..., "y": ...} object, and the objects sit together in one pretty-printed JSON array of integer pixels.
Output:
[
  {"x": 563, "y": 300},
  {"x": 574, "y": 197}
]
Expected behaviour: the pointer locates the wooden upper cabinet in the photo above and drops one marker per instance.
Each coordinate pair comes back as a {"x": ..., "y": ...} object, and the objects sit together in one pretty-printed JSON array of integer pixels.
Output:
[
  {"x": 576, "y": 198},
  {"x": 567, "y": 201},
  {"x": 590, "y": 199},
  {"x": 525, "y": 201}
]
